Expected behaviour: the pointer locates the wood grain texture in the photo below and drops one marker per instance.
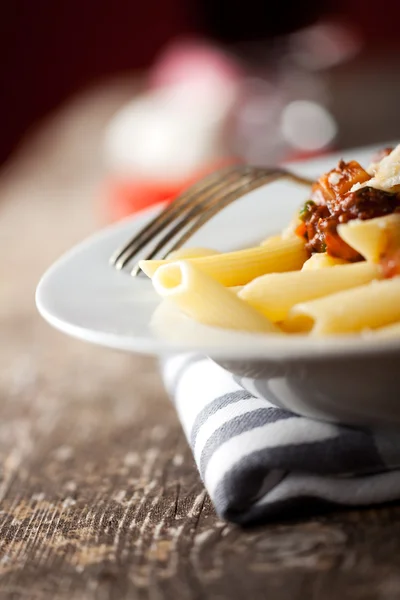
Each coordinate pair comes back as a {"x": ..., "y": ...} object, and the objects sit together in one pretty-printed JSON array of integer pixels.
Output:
[{"x": 99, "y": 495}]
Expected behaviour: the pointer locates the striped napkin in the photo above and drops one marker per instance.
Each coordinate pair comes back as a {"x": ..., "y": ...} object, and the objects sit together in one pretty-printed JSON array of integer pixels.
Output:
[{"x": 258, "y": 461}]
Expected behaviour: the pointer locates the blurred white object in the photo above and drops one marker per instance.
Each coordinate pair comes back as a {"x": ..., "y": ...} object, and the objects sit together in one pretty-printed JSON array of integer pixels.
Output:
[
  {"x": 165, "y": 135},
  {"x": 176, "y": 127},
  {"x": 307, "y": 125}
]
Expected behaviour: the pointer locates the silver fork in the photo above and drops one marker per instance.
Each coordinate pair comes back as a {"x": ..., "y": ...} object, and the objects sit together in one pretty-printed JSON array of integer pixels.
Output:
[{"x": 194, "y": 207}]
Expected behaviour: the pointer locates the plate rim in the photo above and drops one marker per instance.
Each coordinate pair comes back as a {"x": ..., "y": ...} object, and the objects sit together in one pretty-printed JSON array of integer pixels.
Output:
[{"x": 264, "y": 346}]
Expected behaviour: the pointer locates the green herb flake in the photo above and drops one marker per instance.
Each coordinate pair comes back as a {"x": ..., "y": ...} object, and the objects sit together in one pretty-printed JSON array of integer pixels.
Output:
[{"x": 305, "y": 210}]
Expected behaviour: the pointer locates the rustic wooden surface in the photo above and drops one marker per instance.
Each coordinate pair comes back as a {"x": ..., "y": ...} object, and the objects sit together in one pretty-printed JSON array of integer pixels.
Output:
[{"x": 99, "y": 496}]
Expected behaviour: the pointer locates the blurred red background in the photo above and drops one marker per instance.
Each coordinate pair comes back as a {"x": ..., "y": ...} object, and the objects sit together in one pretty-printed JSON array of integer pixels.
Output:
[{"x": 50, "y": 49}]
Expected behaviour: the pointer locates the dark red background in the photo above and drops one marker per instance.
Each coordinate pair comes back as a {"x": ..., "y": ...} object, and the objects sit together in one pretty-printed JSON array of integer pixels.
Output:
[{"x": 51, "y": 48}]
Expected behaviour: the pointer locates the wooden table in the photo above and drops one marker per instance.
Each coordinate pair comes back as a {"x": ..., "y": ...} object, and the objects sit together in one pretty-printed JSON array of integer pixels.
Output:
[{"x": 99, "y": 495}]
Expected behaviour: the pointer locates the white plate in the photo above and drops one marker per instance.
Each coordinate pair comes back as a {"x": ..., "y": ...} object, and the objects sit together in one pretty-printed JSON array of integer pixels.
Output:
[
  {"x": 353, "y": 379},
  {"x": 83, "y": 296}
]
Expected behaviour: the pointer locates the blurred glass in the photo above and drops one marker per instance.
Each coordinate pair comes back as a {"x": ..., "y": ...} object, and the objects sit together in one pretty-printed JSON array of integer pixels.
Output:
[
  {"x": 284, "y": 108},
  {"x": 205, "y": 104}
]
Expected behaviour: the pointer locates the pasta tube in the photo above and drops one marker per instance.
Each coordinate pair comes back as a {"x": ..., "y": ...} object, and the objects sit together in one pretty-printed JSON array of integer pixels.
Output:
[
  {"x": 205, "y": 300},
  {"x": 369, "y": 306},
  {"x": 240, "y": 267},
  {"x": 322, "y": 260},
  {"x": 373, "y": 237},
  {"x": 392, "y": 330},
  {"x": 184, "y": 253},
  {"x": 274, "y": 295},
  {"x": 271, "y": 240},
  {"x": 149, "y": 267}
]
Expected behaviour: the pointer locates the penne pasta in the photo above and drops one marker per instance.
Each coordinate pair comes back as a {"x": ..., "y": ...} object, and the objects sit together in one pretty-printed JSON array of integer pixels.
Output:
[
  {"x": 205, "y": 300},
  {"x": 277, "y": 287},
  {"x": 184, "y": 253},
  {"x": 392, "y": 330},
  {"x": 149, "y": 267},
  {"x": 366, "y": 307},
  {"x": 240, "y": 267},
  {"x": 373, "y": 237},
  {"x": 322, "y": 261},
  {"x": 274, "y": 295},
  {"x": 271, "y": 240}
]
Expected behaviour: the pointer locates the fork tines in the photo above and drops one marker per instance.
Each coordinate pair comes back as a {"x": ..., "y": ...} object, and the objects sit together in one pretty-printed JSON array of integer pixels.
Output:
[{"x": 192, "y": 209}]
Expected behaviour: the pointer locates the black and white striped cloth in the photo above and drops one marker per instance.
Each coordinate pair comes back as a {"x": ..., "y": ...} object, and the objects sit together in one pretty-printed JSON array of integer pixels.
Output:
[{"x": 258, "y": 461}]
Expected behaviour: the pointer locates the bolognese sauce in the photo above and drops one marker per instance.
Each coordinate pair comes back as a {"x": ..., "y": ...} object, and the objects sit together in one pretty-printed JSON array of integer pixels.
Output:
[{"x": 336, "y": 198}]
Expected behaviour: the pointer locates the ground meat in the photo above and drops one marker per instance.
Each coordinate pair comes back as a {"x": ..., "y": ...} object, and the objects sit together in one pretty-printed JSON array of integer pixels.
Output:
[
  {"x": 332, "y": 186},
  {"x": 321, "y": 223},
  {"x": 322, "y": 235},
  {"x": 333, "y": 203},
  {"x": 367, "y": 203},
  {"x": 334, "y": 244}
]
